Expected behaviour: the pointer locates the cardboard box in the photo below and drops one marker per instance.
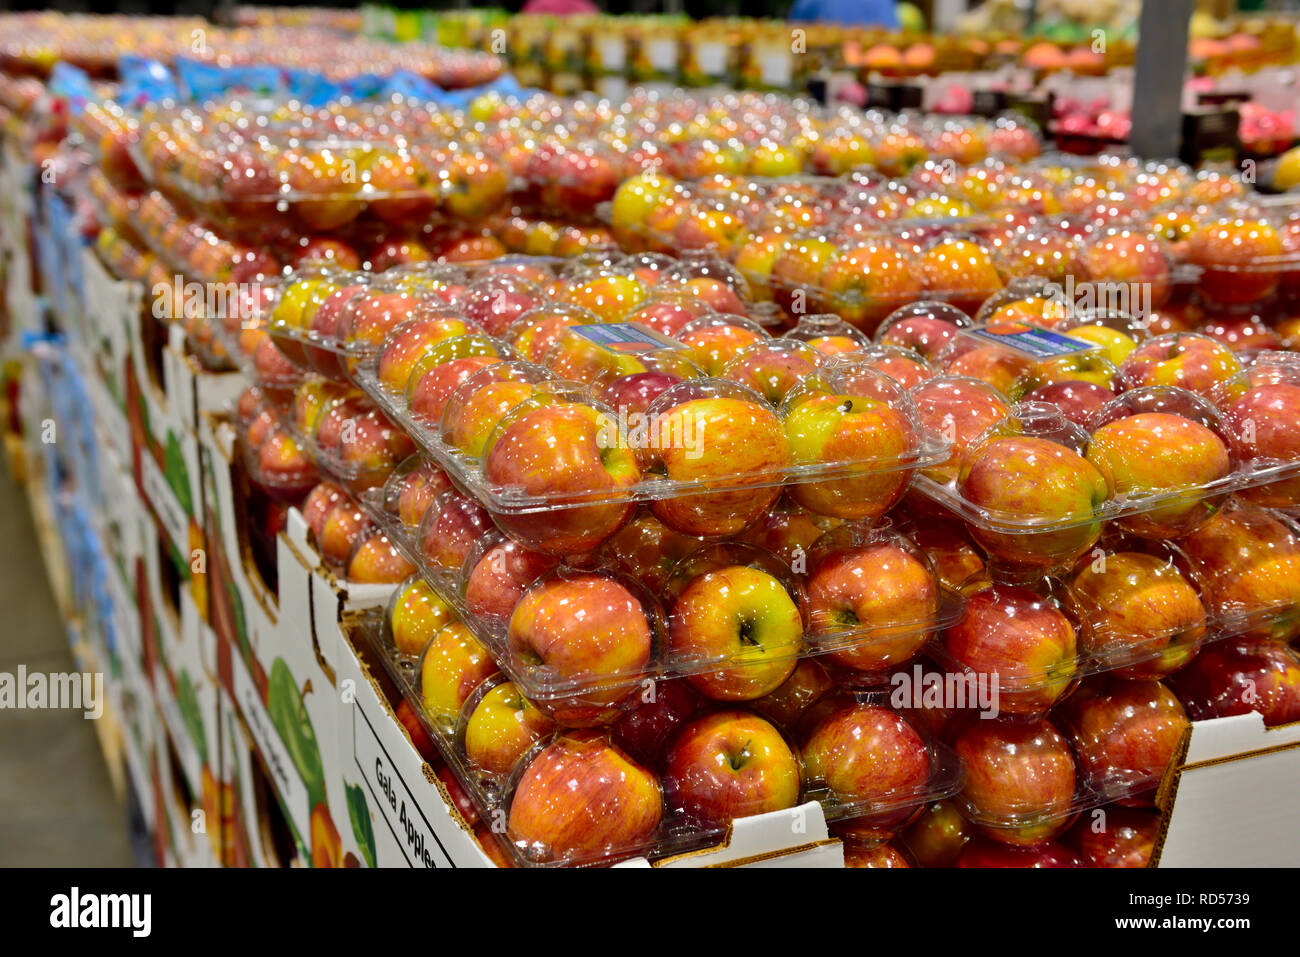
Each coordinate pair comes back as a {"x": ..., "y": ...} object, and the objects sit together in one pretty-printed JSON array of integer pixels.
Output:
[{"x": 1230, "y": 800}]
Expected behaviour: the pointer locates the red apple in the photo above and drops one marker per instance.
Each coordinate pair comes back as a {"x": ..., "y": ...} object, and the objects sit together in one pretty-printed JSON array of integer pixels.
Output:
[
  {"x": 581, "y": 799},
  {"x": 1237, "y": 676},
  {"x": 1020, "y": 780},
  {"x": 869, "y": 757},
  {"x": 590, "y": 636},
  {"x": 1020, "y": 637},
  {"x": 1126, "y": 734},
  {"x": 499, "y": 577},
  {"x": 879, "y": 591},
  {"x": 727, "y": 765},
  {"x": 562, "y": 449},
  {"x": 981, "y": 852},
  {"x": 1117, "y": 837},
  {"x": 1022, "y": 483}
]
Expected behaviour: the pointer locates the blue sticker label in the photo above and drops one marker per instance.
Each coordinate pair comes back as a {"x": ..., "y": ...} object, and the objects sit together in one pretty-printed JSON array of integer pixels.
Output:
[
  {"x": 1032, "y": 341},
  {"x": 626, "y": 337}
]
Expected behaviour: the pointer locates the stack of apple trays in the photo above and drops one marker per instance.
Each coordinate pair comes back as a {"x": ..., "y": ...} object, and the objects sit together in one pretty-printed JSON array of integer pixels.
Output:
[{"x": 949, "y": 563}]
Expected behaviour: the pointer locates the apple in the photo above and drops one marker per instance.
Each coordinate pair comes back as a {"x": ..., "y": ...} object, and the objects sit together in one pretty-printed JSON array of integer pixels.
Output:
[
  {"x": 1122, "y": 255},
  {"x": 1244, "y": 335},
  {"x": 937, "y": 836},
  {"x": 1078, "y": 401},
  {"x": 634, "y": 393},
  {"x": 450, "y": 528},
  {"x": 1159, "y": 453},
  {"x": 1264, "y": 424},
  {"x": 716, "y": 340},
  {"x": 648, "y": 550},
  {"x": 608, "y": 295},
  {"x": 959, "y": 270},
  {"x": 860, "y": 854},
  {"x": 1236, "y": 676},
  {"x": 1117, "y": 345},
  {"x": 798, "y": 270},
  {"x": 636, "y": 197},
  {"x": 1002, "y": 368},
  {"x": 960, "y": 409},
  {"x": 727, "y": 765},
  {"x": 501, "y": 729},
  {"x": 420, "y": 739},
  {"x": 786, "y": 705},
  {"x": 283, "y": 468},
  {"x": 585, "y": 632},
  {"x": 868, "y": 757},
  {"x": 500, "y": 575},
  {"x": 345, "y": 524},
  {"x": 924, "y": 327},
  {"x": 373, "y": 447},
  {"x": 1189, "y": 361},
  {"x": 730, "y": 437},
  {"x": 453, "y": 665},
  {"x": 495, "y": 302},
  {"x": 1136, "y": 607},
  {"x": 433, "y": 383},
  {"x": 879, "y": 591},
  {"x": 415, "y": 616},
  {"x": 724, "y": 295},
  {"x": 773, "y": 367},
  {"x": 407, "y": 188},
  {"x": 376, "y": 561},
  {"x": 1023, "y": 482},
  {"x": 415, "y": 493},
  {"x": 582, "y": 799},
  {"x": 408, "y": 343},
  {"x": 1249, "y": 560},
  {"x": 867, "y": 281},
  {"x": 1020, "y": 780},
  {"x": 562, "y": 449},
  {"x": 318, "y": 503},
  {"x": 952, "y": 555},
  {"x": 743, "y": 620},
  {"x": 1120, "y": 837},
  {"x": 480, "y": 402},
  {"x": 855, "y": 418},
  {"x": 537, "y": 330},
  {"x": 1126, "y": 734},
  {"x": 1021, "y": 637},
  {"x": 902, "y": 365},
  {"x": 982, "y": 852},
  {"x": 1238, "y": 257},
  {"x": 658, "y": 710}
]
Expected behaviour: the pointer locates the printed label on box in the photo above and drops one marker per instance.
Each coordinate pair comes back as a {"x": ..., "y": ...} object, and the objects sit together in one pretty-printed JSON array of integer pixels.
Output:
[
  {"x": 402, "y": 813},
  {"x": 127, "y": 618},
  {"x": 179, "y": 732},
  {"x": 626, "y": 337},
  {"x": 1032, "y": 341},
  {"x": 166, "y": 506},
  {"x": 288, "y": 783}
]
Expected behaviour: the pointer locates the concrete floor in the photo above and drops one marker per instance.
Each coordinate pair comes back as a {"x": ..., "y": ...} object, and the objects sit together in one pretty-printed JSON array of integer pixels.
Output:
[{"x": 57, "y": 806}]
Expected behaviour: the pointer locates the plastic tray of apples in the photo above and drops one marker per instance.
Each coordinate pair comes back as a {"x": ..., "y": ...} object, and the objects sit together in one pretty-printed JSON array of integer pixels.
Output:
[
  {"x": 492, "y": 580},
  {"x": 334, "y": 427},
  {"x": 327, "y": 320},
  {"x": 1028, "y": 780},
  {"x": 462, "y": 396},
  {"x": 320, "y": 169},
  {"x": 1157, "y": 458},
  {"x": 868, "y": 765}
]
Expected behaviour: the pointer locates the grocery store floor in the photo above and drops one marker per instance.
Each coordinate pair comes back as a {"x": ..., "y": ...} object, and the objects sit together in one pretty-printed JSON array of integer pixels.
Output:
[{"x": 57, "y": 804}]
